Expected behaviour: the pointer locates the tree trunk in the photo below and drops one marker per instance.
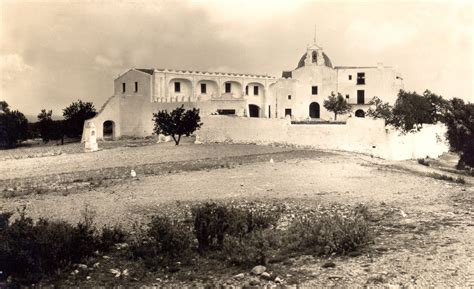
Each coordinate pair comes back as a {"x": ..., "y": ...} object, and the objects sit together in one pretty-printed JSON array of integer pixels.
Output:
[
  {"x": 174, "y": 138},
  {"x": 179, "y": 139},
  {"x": 335, "y": 116}
]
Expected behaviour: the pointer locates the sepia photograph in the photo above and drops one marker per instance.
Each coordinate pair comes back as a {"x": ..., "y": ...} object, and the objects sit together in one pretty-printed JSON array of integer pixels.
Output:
[{"x": 236, "y": 144}]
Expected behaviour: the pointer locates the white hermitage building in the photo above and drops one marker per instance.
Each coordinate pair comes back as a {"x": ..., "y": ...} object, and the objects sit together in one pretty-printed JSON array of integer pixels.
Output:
[{"x": 298, "y": 94}]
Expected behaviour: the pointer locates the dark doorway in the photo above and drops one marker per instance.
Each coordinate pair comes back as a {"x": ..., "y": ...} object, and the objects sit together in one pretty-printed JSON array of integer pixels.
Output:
[
  {"x": 254, "y": 110},
  {"x": 314, "y": 110},
  {"x": 108, "y": 132},
  {"x": 360, "y": 113}
]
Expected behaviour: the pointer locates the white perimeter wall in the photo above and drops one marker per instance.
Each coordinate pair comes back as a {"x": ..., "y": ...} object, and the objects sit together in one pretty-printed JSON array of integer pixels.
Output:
[{"x": 358, "y": 135}]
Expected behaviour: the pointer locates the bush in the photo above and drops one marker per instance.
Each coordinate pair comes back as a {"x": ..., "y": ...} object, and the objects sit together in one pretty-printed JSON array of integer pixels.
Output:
[
  {"x": 458, "y": 180},
  {"x": 111, "y": 236},
  {"x": 13, "y": 126},
  {"x": 213, "y": 222},
  {"x": 164, "y": 242},
  {"x": 424, "y": 162},
  {"x": 255, "y": 249},
  {"x": 330, "y": 233},
  {"x": 30, "y": 251}
]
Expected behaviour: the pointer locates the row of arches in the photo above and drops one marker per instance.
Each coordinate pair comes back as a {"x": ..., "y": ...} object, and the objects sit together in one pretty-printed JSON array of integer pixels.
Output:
[{"x": 185, "y": 86}]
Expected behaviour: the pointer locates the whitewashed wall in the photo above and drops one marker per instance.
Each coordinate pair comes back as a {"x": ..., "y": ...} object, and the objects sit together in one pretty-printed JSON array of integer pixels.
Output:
[{"x": 361, "y": 135}]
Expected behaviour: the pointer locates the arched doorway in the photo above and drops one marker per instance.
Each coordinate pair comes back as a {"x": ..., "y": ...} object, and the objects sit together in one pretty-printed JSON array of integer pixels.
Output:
[
  {"x": 109, "y": 130},
  {"x": 360, "y": 113},
  {"x": 314, "y": 110},
  {"x": 254, "y": 110}
]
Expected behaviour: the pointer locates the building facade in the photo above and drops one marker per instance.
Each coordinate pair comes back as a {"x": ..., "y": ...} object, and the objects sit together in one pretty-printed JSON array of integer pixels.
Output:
[{"x": 299, "y": 94}]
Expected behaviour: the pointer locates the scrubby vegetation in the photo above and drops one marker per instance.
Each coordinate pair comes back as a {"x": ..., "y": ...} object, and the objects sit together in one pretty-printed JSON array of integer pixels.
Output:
[
  {"x": 458, "y": 180},
  {"x": 229, "y": 234},
  {"x": 30, "y": 251}
]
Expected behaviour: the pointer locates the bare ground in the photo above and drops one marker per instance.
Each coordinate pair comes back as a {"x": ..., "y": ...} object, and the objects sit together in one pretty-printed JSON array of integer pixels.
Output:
[{"x": 425, "y": 237}]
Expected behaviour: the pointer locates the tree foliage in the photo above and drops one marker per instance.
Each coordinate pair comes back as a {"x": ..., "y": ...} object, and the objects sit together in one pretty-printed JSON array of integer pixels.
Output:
[
  {"x": 459, "y": 120},
  {"x": 438, "y": 106},
  {"x": 337, "y": 104},
  {"x": 50, "y": 129},
  {"x": 411, "y": 111},
  {"x": 380, "y": 109},
  {"x": 75, "y": 115},
  {"x": 177, "y": 123},
  {"x": 13, "y": 126}
]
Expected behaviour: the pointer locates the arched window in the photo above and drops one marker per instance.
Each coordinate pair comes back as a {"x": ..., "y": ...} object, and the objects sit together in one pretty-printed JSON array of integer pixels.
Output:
[
  {"x": 360, "y": 113},
  {"x": 314, "y": 111}
]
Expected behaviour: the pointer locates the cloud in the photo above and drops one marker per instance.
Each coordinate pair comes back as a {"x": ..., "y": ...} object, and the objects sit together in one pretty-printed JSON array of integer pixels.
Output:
[
  {"x": 378, "y": 35},
  {"x": 102, "y": 62},
  {"x": 11, "y": 66}
]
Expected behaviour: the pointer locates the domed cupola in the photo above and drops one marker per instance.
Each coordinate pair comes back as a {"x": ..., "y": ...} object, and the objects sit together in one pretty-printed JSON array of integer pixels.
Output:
[{"x": 314, "y": 56}]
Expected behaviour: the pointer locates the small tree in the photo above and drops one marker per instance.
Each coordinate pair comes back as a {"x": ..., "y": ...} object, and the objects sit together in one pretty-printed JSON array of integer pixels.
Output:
[
  {"x": 50, "y": 129},
  {"x": 380, "y": 109},
  {"x": 177, "y": 123},
  {"x": 75, "y": 115},
  {"x": 13, "y": 126},
  {"x": 337, "y": 104},
  {"x": 460, "y": 123}
]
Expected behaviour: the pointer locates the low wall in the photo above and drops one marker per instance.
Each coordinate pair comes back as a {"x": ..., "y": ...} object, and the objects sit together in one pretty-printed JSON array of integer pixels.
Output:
[{"x": 361, "y": 135}]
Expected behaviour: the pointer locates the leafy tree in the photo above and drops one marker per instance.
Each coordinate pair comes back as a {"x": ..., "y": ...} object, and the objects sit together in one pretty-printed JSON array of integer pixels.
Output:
[
  {"x": 50, "y": 129},
  {"x": 75, "y": 115},
  {"x": 337, "y": 104},
  {"x": 438, "y": 106},
  {"x": 381, "y": 110},
  {"x": 13, "y": 126},
  {"x": 4, "y": 107},
  {"x": 177, "y": 123},
  {"x": 411, "y": 110},
  {"x": 459, "y": 120}
]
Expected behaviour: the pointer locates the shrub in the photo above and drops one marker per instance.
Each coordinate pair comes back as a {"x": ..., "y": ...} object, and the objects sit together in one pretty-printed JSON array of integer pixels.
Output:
[
  {"x": 330, "y": 233},
  {"x": 213, "y": 222},
  {"x": 30, "y": 251},
  {"x": 111, "y": 236},
  {"x": 255, "y": 249},
  {"x": 13, "y": 126},
  {"x": 165, "y": 241},
  {"x": 458, "y": 180},
  {"x": 424, "y": 162}
]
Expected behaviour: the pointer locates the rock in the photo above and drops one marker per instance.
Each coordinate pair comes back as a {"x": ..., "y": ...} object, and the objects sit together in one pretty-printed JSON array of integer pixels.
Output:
[
  {"x": 239, "y": 276},
  {"x": 271, "y": 161},
  {"x": 266, "y": 276},
  {"x": 254, "y": 282},
  {"x": 82, "y": 266},
  {"x": 258, "y": 270},
  {"x": 88, "y": 277},
  {"x": 278, "y": 280},
  {"x": 329, "y": 265}
]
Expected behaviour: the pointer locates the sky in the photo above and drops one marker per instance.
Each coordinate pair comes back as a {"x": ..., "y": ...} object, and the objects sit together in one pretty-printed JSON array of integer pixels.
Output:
[{"x": 54, "y": 52}]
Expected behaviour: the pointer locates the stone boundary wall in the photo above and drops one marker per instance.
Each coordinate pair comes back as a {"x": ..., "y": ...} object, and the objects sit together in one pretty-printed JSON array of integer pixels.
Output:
[{"x": 362, "y": 135}]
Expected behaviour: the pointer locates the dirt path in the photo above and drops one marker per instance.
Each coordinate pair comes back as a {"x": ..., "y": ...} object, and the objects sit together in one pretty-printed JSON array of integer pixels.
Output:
[{"x": 427, "y": 241}]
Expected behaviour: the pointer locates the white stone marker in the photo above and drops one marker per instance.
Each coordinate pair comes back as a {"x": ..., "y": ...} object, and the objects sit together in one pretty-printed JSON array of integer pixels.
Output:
[{"x": 90, "y": 138}]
